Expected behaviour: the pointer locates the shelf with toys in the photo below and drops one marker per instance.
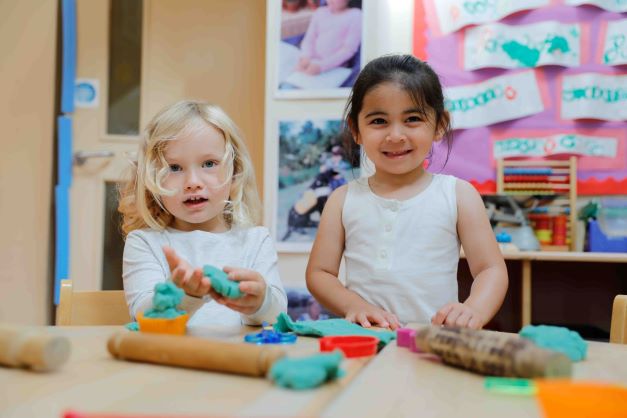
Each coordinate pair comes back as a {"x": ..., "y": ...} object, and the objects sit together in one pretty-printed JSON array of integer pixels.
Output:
[{"x": 553, "y": 184}]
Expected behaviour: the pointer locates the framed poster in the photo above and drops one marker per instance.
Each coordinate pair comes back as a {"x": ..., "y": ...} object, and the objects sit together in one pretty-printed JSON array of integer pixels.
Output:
[
  {"x": 312, "y": 163},
  {"x": 319, "y": 52}
]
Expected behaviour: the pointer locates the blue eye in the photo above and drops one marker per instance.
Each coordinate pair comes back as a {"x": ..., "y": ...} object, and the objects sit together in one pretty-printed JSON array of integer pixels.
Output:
[
  {"x": 208, "y": 164},
  {"x": 175, "y": 167}
]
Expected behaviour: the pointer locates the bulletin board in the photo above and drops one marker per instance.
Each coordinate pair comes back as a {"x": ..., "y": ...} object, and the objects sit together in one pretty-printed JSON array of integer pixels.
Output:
[{"x": 550, "y": 75}]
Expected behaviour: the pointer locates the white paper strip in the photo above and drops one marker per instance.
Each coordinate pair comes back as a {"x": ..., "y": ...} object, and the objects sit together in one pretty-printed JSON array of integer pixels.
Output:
[
  {"x": 455, "y": 14},
  {"x": 611, "y": 5},
  {"x": 498, "y": 99},
  {"x": 615, "y": 45},
  {"x": 595, "y": 96},
  {"x": 556, "y": 144},
  {"x": 503, "y": 46}
]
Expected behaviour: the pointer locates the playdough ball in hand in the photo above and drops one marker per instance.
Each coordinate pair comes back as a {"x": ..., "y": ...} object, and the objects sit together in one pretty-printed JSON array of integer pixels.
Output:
[{"x": 220, "y": 282}]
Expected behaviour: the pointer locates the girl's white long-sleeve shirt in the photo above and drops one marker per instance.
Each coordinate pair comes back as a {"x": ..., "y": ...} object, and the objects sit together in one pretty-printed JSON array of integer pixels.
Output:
[{"x": 145, "y": 265}]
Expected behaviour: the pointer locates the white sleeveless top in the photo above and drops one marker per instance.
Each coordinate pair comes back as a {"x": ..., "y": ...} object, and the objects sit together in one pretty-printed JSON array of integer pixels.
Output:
[{"x": 402, "y": 255}]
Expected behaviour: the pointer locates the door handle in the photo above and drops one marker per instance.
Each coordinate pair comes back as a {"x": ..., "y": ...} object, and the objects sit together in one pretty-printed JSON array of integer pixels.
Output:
[{"x": 81, "y": 157}]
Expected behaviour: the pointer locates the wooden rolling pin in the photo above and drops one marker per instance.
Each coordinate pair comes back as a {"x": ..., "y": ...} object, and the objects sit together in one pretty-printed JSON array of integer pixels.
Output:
[
  {"x": 194, "y": 353},
  {"x": 32, "y": 348},
  {"x": 492, "y": 353}
]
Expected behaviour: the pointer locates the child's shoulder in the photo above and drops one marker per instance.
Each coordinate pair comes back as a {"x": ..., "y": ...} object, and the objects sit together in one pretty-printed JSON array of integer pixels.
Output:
[
  {"x": 142, "y": 234},
  {"x": 251, "y": 233}
]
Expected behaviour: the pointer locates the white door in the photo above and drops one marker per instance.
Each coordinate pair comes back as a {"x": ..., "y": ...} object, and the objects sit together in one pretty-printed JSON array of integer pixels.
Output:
[{"x": 144, "y": 55}]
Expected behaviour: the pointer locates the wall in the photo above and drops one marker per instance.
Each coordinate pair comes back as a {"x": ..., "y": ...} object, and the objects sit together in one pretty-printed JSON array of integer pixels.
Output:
[
  {"x": 387, "y": 29},
  {"x": 28, "y": 33}
]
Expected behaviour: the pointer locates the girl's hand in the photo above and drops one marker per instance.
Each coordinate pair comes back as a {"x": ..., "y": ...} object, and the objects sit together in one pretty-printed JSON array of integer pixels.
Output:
[
  {"x": 366, "y": 314},
  {"x": 313, "y": 69},
  {"x": 191, "y": 280},
  {"x": 458, "y": 315},
  {"x": 302, "y": 64},
  {"x": 252, "y": 284}
]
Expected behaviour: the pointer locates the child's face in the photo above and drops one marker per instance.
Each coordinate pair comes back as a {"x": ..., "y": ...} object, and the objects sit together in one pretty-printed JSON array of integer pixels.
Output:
[
  {"x": 337, "y": 5},
  {"x": 394, "y": 134},
  {"x": 198, "y": 177}
]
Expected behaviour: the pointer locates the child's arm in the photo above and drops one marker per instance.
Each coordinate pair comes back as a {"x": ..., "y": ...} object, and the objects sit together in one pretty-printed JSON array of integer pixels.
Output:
[
  {"x": 142, "y": 270},
  {"x": 485, "y": 261},
  {"x": 324, "y": 265},
  {"x": 307, "y": 45}
]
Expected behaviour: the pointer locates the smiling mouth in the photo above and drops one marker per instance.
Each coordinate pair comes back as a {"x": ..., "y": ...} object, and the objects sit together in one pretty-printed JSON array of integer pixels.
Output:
[
  {"x": 194, "y": 201},
  {"x": 396, "y": 153}
]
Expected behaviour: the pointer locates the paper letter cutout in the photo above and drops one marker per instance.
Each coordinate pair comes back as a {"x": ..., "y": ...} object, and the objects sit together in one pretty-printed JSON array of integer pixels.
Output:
[
  {"x": 450, "y": 15},
  {"x": 498, "y": 99},
  {"x": 556, "y": 144},
  {"x": 503, "y": 46},
  {"x": 594, "y": 96},
  {"x": 615, "y": 43}
]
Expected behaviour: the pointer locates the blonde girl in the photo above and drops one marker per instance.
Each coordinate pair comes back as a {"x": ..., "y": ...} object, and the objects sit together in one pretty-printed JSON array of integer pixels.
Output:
[{"x": 191, "y": 201}]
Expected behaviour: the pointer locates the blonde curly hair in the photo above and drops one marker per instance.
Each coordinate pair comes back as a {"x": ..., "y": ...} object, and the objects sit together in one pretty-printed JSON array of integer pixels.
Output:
[{"x": 140, "y": 203}]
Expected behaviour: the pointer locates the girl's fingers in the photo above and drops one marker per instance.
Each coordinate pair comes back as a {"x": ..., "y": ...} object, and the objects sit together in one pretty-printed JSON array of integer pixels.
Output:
[
  {"x": 171, "y": 257},
  {"x": 363, "y": 320},
  {"x": 451, "y": 318},
  {"x": 177, "y": 276},
  {"x": 474, "y": 323},
  {"x": 350, "y": 317},
  {"x": 463, "y": 319},
  {"x": 378, "y": 319},
  {"x": 441, "y": 315},
  {"x": 252, "y": 288},
  {"x": 392, "y": 320}
]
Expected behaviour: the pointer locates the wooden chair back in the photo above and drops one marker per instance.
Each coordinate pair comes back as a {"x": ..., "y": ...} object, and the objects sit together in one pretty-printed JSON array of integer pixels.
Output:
[
  {"x": 618, "y": 328},
  {"x": 104, "y": 307}
]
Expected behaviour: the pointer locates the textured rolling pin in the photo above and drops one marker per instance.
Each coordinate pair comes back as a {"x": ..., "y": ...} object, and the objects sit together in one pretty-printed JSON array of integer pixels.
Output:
[
  {"x": 492, "y": 353},
  {"x": 32, "y": 348},
  {"x": 194, "y": 353}
]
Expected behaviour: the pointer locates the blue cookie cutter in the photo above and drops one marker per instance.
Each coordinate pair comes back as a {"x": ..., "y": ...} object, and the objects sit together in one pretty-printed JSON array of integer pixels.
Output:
[{"x": 269, "y": 336}]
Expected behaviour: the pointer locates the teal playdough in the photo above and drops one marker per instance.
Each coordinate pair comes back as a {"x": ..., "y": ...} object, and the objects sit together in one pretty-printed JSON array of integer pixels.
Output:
[
  {"x": 307, "y": 372},
  {"x": 165, "y": 300},
  {"x": 326, "y": 327},
  {"x": 557, "y": 339},
  {"x": 132, "y": 326},
  {"x": 220, "y": 282}
]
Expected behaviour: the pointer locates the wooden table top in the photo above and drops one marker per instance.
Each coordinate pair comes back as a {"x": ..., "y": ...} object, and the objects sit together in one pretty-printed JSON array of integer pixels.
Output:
[
  {"x": 92, "y": 381},
  {"x": 395, "y": 383},
  {"x": 399, "y": 383}
]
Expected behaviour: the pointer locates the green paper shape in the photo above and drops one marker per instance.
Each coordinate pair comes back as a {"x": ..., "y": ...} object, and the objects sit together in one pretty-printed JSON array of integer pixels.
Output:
[
  {"x": 220, "y": 282},
  {"x": 328, "y": 327},
  {"x": 521, "y": 53},
  {"x": 558, "y": 43},
  {"x": 307, "y": 372},
  {"x": 165, "y": 300},
  {"x": 557, "y": 339},
  {"x": 510, "y": 386}
]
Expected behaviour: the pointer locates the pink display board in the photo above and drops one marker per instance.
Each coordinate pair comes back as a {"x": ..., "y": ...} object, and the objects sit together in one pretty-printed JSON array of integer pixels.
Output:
[{"x": 472, "y": 154}]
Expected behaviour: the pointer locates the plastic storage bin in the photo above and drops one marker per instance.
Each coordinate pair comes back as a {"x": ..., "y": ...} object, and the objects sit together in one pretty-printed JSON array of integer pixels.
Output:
[{"x": 599, "y": 242}]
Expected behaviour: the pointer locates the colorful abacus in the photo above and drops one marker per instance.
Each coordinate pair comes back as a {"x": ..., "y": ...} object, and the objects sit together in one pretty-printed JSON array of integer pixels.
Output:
[{"x": 555, "y": 226}]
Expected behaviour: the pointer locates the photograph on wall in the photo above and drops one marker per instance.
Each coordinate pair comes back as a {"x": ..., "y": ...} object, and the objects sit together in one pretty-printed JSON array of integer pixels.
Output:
[
  {"x": 312, "y": 163},
  {"x": 320, "y": 51}
]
